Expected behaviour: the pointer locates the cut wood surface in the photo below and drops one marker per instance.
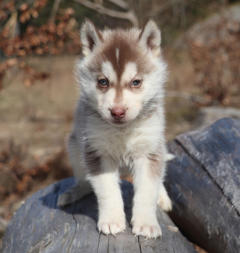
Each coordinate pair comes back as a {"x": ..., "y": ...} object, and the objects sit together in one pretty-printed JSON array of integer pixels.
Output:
[
  {"x": 204, "y": 184},
  {"x": 40, "y": 226}
]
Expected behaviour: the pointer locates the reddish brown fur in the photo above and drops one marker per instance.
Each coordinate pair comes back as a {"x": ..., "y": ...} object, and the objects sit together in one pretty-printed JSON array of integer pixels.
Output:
[
  {"x": 119, "y": 94},
  {"x": 128, "y": 52}
]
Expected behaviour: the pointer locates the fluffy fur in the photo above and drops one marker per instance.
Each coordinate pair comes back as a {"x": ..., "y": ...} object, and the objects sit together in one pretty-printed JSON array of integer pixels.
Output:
[{"x": 101, "y": 144}]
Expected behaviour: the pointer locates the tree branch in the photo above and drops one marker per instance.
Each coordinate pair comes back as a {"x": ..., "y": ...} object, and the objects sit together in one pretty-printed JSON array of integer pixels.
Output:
[
  {"x": 129, "y": 15},
  {"x": 120, "y": 3},
  {"x": 54, "y": 10},
  {"x": 162, "y": 7}
]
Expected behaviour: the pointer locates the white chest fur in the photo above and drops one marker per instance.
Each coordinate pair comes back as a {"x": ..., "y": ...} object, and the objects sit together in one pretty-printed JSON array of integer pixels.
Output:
[{"x": 134, "y": 140}]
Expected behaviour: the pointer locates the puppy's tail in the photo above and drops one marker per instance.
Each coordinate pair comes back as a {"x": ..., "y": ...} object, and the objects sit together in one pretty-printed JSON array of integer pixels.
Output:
[
  {"x": 74, "y": 193},
  {"x": 170, "y": 157}
]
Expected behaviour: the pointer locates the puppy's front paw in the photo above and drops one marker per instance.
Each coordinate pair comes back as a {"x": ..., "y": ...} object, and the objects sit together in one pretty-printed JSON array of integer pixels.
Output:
[
  {"x": 111, "y": 225},
  {"x": 147, "y": 227},
  {"x": 147, "y": 230}
]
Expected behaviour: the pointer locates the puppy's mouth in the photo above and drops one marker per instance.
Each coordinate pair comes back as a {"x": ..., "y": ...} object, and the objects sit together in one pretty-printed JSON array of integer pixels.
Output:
[{"x": 118, "y": 121}]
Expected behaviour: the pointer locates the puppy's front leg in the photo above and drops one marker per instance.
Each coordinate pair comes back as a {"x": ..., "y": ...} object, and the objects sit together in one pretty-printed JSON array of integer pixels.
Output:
[
  {"x": 111, "y": 219},
  {"x": 146, "y": 187}
]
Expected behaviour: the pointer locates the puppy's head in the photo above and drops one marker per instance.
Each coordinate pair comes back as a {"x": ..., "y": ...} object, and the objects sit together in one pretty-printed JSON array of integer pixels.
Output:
[{"x": 121, "y": 73}]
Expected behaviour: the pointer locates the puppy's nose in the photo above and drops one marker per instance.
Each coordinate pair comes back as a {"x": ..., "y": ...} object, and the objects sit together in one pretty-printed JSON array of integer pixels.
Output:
[{"x": 118, "y": 112}]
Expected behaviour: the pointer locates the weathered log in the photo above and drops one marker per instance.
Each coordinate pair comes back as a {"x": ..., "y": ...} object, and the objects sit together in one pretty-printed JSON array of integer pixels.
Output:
[
  {"x": 204, "y": 184},
  {"x": 40, "y": 226}
]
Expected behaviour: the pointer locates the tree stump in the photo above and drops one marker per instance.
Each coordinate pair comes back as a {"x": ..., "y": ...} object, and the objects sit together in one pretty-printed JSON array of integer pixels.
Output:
[
  {"x": 204, "y": 184},
  {"x": 40, "y": 226}
]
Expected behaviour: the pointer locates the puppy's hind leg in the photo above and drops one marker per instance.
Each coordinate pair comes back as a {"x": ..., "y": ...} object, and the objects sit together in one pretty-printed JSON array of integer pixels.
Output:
[
  {"x": 82, "y": 187},
  {"x": 163, "y": 200}
]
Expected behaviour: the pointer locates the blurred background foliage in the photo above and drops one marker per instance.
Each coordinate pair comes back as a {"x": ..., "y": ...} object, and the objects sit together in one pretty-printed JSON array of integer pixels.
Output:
[
  {"x": 51, "y": 27},
  {"x": 39, "y": 43}
]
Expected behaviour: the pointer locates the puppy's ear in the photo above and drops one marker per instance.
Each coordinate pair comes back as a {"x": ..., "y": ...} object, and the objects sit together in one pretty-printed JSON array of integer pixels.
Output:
[
  {"x": 90, "y": 37},
  {"x": 150, "y": 37}
]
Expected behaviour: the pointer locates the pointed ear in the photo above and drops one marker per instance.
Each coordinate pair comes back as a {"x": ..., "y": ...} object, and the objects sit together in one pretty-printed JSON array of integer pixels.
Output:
[
  {"x": 90, "y": 37},
  {"x": 150, "y": 37}
]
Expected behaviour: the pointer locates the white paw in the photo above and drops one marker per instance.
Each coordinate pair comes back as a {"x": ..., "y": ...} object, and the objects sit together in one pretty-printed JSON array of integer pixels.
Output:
[
  {"x": 165, "y": 202},
  {"x": 111, "y": 225},
  {"x": 147, "y": 230},
  {"x": 146, "y": 226}
]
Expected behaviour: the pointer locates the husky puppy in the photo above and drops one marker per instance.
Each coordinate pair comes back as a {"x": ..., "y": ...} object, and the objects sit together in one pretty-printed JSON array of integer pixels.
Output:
[{"x": 119, "y": 122}]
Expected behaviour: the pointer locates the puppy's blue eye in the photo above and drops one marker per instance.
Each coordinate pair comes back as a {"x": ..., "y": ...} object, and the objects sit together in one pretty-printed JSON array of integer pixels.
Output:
[
  {"x": 103, "y": 83},
  {"x": 136, "y": 83}
]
